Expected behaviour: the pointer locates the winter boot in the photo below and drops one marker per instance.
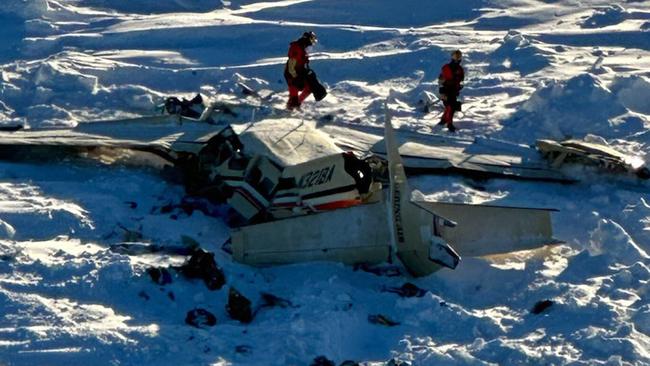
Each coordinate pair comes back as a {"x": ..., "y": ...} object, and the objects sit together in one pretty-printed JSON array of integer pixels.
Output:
[{"x": 293, "y": 103}]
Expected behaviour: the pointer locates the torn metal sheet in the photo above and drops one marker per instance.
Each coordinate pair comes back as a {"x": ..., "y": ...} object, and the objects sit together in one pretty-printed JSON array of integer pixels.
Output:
[{"x": 592, "y": 153}]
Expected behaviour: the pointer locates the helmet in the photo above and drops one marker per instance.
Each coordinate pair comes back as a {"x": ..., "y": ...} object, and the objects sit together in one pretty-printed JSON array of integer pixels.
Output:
[
  {"x": 310, "y": 37},
  {"x": 457, "y": 55}
]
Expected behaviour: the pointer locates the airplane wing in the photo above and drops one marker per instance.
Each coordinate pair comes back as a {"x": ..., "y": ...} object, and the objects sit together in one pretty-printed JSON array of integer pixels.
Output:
[
  {"x": 425, "y": 154},
  {"x": 165, "y": 136}
]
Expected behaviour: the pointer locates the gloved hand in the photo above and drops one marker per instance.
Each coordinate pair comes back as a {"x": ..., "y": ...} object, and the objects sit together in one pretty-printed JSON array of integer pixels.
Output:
[{"x": 443, "y": 97}]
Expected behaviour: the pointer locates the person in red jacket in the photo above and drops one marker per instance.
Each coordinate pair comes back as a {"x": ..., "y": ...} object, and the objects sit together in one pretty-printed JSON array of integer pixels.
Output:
[
  {"x": 295, "y": 71},
  {"x": 451, "y": 82}
]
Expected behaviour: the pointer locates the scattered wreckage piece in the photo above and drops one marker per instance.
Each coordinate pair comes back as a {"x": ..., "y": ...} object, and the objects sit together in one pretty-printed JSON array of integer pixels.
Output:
[
  {"x": 406, "y": 290},
  {"x": 222, "y": 110},
  {"x": 200, "y": 318},
  {"x": 242, "y": 309},
  {"x": 239, "y": 306},
  {"x": 381, "y": 319},
  {"x": 200, "y": 264},
  {"x": 583, "y": 152}
]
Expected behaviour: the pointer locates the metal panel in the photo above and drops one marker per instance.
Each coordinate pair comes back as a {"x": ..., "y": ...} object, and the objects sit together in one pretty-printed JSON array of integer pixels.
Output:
[
  {"x": 353, "y": 235},
  {"x": 485, "y": 230}
]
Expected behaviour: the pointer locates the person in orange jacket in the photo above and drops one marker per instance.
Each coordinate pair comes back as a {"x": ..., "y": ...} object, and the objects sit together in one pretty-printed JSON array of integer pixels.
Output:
[
  {"x": 295, "y": 70},
  {"x": 451, "y": 82}
]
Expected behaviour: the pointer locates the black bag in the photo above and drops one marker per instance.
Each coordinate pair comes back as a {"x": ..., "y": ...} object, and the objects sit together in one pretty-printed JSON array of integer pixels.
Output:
[
  {"x": 299, "y": 82},
  {"x": 316, "y": 87}
]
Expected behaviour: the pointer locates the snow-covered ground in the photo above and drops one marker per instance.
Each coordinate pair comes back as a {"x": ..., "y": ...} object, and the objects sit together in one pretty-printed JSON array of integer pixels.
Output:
[{"x": 534, "y": 69}]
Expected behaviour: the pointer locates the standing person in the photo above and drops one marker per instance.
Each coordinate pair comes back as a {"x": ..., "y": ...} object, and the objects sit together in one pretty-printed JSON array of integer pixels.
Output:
[
  {"x": 295, "y": 71},
  {"x": 451, "y": 82}
]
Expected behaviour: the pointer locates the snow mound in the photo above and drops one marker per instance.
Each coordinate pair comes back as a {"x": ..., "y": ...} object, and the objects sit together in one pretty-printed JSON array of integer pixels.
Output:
[
  {"x": 6, "y": 230},
  {"x": 609, "y": 237},
  {"x": 25, "y": 9},
  {"x": 642, "y": 319},
  {"x": 610, "y": 15},
  {"x": 405, "y": 13},
  {"x": 637, "y": 219},
  {"x": 33, "y": 92},
  {"x": 65, "y": 89},
  {"x": 155, "y": 6},
  {"x": 517, "y": 52},
  {"x": 633, "y": 92},
  {"x": 59, "y": 73},
  {"x": 580, "y": 106},
  {"x": 51, "y": 116},
  {"x": 8, "y": 117},
  {"x": 610, "y": 251}
]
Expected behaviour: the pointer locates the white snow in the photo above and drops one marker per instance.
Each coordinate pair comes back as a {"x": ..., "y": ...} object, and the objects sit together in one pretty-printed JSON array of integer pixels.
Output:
[{"x": 535, "y": 69}]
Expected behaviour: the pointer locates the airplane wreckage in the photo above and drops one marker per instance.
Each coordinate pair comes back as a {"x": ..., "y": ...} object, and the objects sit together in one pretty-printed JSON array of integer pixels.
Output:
[
  {"x": 590, "y": 153},
  {"x": 348, "y": 186}
]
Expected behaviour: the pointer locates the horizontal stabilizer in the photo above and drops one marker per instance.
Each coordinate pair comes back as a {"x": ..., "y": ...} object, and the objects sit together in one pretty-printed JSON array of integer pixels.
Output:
[{"x": 487, "y": 230}]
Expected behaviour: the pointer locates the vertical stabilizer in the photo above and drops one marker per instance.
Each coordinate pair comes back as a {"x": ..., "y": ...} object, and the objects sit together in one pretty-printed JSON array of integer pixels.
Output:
[{"x": 413, "y": 229}]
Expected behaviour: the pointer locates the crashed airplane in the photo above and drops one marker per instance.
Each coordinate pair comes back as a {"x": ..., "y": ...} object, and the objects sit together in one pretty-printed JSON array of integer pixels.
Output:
[{"x": 282, "y": 175}]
